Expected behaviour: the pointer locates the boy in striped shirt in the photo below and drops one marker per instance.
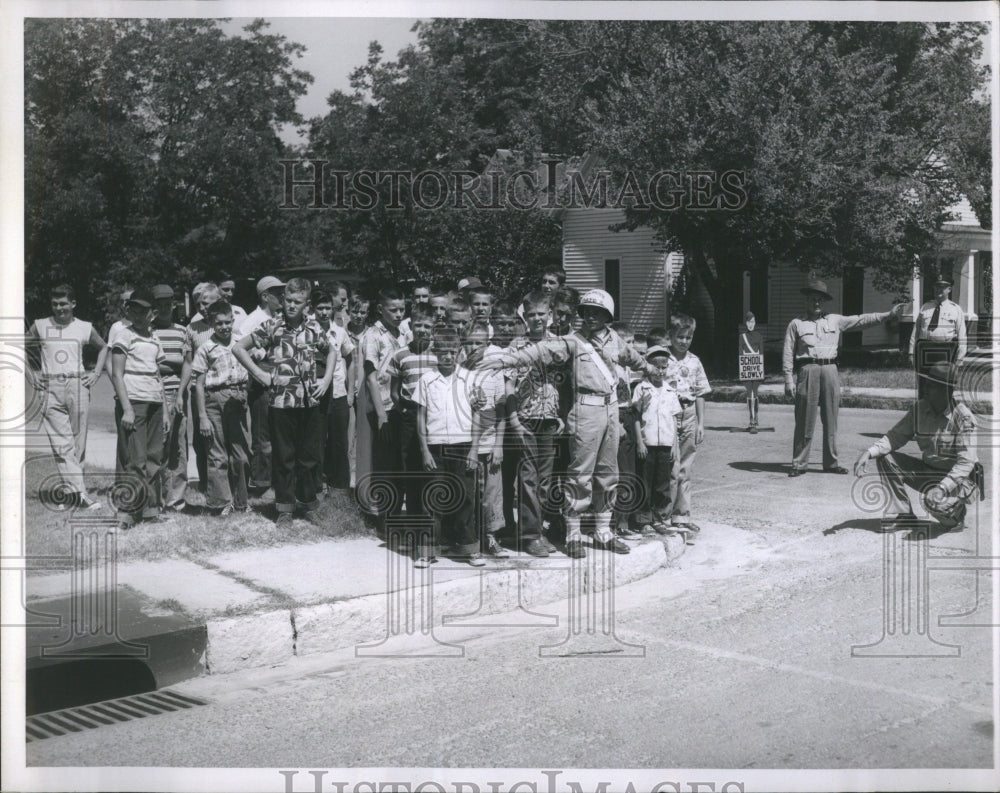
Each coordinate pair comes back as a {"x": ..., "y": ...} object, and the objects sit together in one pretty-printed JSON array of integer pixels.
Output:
[
  {"x": 171, "y": 337},
  {"x": 137, "y": 361},
  {"x": 406, "y": 368}
]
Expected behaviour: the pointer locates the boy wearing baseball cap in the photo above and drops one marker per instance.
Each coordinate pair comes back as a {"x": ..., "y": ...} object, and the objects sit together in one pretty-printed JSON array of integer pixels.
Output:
[
  {"x": 592, "y": 353},
  {"x": 137, "y": 365}
]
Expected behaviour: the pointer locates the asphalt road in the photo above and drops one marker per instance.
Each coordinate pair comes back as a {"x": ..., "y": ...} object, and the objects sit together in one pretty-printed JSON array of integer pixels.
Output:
[{"x": 746, "y": 656}]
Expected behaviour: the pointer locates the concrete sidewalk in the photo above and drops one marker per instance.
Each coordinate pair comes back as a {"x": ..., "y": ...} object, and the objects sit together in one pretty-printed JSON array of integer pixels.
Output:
[{"x": 262, "y": 606}]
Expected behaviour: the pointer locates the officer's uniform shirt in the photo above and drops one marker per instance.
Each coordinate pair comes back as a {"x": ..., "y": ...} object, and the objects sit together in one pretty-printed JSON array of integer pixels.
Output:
[
  {"x": 950, "y": 325},
  {"x": 946, "y": 440},
  {"x": 820, "y": 338}
]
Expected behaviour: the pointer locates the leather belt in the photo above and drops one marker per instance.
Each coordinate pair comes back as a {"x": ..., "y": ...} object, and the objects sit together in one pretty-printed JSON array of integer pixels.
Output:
[
  {"x": 596, "y": 399},
  {"x": 820, "y": 361}
]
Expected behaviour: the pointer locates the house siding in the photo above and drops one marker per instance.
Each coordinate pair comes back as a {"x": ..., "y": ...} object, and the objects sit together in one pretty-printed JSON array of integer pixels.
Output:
[{"x": 587, "y": 243}]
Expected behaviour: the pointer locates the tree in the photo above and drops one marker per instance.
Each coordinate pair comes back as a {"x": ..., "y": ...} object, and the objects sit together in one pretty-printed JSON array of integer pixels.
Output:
[
  {"x": 152, "y": 151},
  {"x": 413, "y": 115}
]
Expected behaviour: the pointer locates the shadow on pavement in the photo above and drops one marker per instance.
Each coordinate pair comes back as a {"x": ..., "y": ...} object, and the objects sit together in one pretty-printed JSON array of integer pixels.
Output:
[
  {"x": 761, "y": 467},
  {"x": 873, "y": 525}
]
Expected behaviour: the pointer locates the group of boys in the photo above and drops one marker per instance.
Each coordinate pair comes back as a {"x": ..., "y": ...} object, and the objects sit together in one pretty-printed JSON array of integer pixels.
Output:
[{"x": 483, "y": 421}]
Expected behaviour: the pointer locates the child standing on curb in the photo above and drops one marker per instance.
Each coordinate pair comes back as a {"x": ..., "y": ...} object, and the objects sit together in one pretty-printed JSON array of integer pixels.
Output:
[
  {"x": 66, "y": 384},
  {"x": 656, "y": 411},
  {"x": 687, "y": 375},
  {"x": 291, "y": 343},
  {"x": 137, "y": 361},
  {"x": 333, "y": 471},
  {"x": 221, "y": 401},
  {"x": 448, "y": 428},
  {"x": 751, "y": 343}
]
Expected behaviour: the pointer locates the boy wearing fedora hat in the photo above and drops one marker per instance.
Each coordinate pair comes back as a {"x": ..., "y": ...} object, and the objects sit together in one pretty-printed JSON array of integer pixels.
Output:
[
  {"x": 592, "y": 353},
  {"x": 809, "y": 362},
  {"x": 947, "y": 471},
  {"x": 938, "y": 332}
]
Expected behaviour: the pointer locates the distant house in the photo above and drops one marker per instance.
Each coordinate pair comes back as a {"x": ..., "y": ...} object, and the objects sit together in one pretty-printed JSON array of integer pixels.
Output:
[{"x": 639, "y": 273}]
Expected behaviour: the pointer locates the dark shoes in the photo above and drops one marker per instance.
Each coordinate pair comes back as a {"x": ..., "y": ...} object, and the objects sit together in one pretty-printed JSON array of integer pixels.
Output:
[
  {"x": 575, "y": 549},
  {"x": 797, "y": 472},
  {"x": 837, "y": 469},
  {"x": 613, "y": 544},
  {"x": 536, "y": 548}
]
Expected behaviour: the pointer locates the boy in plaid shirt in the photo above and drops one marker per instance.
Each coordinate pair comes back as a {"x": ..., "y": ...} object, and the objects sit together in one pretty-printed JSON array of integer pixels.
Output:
[
  {"x": 290, "y": 343},
  {"x": 220, "y": 388}
]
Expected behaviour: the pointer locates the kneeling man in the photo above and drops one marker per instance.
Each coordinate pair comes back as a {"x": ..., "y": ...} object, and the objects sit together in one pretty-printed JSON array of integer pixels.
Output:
[{"x": 947, "y": 472}]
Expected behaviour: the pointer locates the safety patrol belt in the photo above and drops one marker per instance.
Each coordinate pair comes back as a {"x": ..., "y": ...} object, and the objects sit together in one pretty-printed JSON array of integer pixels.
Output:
[{"x": 602, "y": 367}]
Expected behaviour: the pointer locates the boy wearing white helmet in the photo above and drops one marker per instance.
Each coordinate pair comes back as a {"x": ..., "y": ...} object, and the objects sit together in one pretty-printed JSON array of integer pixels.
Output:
[{"x": 592, "y": 354}]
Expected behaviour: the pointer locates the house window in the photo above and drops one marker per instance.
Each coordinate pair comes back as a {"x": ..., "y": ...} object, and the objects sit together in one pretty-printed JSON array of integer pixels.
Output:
[{"x": 612, "y": 283}]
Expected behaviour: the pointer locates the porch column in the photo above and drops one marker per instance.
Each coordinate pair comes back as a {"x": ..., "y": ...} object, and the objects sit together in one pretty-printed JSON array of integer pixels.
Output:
[{"x": 967, "y": 282}]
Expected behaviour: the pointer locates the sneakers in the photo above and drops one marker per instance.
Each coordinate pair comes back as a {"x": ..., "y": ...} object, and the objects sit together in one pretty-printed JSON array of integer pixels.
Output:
[
  {"x": 495, "y": 549},
  {"x": 425, "y": 561},
  {"x": 89, "y": 504},
  {"x": 536, "y": 548},
  {"x": 226, "y": 511},
  {"x": 284, "y": 520},
  {"x": 311, "y": 516},
  {"x": 575, "y": 549},
  {"x": 124, "y": 525},
  {"x": 612, "y": 544},
  {"x": 477, "y": 560}
]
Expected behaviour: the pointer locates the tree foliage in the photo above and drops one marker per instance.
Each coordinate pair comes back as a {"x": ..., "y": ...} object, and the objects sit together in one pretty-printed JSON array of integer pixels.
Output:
[{"x": 151, "y": 151}]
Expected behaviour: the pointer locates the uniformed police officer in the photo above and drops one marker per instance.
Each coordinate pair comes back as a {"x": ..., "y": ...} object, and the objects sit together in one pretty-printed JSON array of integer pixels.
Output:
[
  {"x": 947, "y": 472},
  {"x": 939, "y": 332},
  {"x": 809, "y": 363}
]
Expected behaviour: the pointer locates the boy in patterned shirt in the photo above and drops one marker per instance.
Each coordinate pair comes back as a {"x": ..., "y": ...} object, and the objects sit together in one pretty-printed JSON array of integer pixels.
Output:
[
  {"x": 221, "y": 402},
  {"x": 686, "y": 374},
  {"x": 406, "y": 368},
  {"x": 291, "y": 343},
  {"x": 334, "y": 472}
]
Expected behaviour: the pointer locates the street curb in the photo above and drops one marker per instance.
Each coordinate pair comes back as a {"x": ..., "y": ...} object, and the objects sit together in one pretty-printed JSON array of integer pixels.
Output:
[
  {"x": 737, "y": 394},
  {"x": 268, "y": 638}
]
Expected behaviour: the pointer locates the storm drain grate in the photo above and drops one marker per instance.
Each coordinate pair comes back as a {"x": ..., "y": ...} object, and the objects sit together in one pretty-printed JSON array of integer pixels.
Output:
[{"x": 90, "y": 717}]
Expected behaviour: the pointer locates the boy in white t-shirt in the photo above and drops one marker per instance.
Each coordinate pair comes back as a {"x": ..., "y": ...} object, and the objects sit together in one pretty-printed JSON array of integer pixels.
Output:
[{"x": 64, "y": 384}]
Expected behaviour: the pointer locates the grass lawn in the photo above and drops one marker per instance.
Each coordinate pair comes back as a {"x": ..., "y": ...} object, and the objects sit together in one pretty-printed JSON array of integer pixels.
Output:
[{"x": 48, "y": 532}]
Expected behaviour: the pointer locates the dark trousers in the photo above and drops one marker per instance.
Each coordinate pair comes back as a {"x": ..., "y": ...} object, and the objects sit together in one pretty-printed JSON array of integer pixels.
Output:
[
  {"x": 657, "y": 470},
  {"x": 926, "y": 353},
  {"x": 455, "y": 511},
  {"x": 296, "y": 438},
  {"x": 384, "y": 493},
  {"x": 228, "y": 448},
  {"x": 627, "y": 503},
  {"x": 260, "y": 437},
  {"x": 140, "y": 481},
  {"x": 553, "y": 506},
  {"x": 200, "y": 445},
  {"x": 413, "y": 479},
  {"x": 336, "y": 464},
  {"x": 537, "y": 457}
]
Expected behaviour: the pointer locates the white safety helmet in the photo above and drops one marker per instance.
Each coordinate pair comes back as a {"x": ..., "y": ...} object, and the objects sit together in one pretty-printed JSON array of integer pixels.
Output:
[{"x": 600, "y": 299}]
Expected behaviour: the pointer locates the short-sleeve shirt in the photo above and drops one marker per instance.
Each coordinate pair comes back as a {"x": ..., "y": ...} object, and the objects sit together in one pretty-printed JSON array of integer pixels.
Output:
[
  {"x": 143, "y": 355},
  {"x": 344, "y": 346},
  {"x": 378, "y": 345},
  {"x": 62, "y": 346},
  {"x": 690, "y": 378},
  {"x": 291, "y": 355},
  {"x": 172, "y": 341},
  {"x": 198, "y": 332},
  {"x": 409, "y": 367},
  {"x": 659, "y": 407},
  {"x": 220, "y": 367},
  {"x": 449, "y": 411},
  {"x": 493, "y": 388}
]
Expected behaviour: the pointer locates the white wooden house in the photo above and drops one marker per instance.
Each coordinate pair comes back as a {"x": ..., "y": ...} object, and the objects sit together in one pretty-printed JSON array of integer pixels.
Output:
[{"x": 639, "y": 274}]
